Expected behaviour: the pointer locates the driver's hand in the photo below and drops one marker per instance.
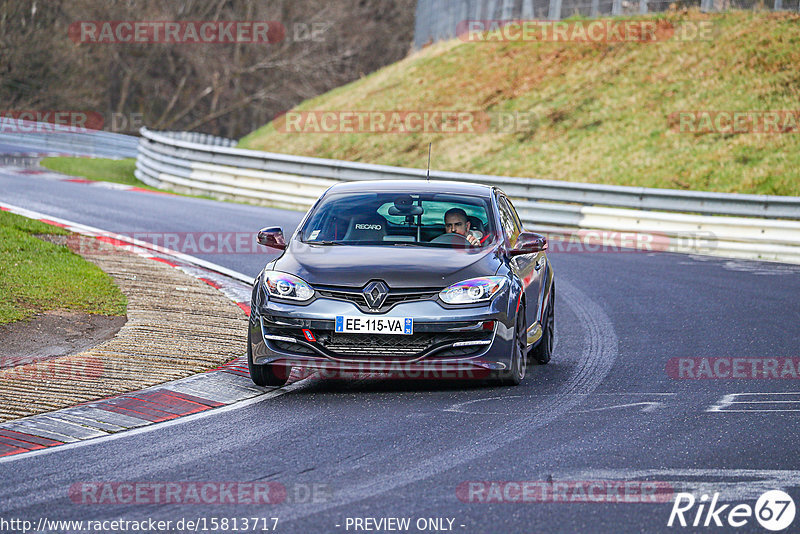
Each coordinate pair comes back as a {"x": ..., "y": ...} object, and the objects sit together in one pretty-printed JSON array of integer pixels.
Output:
[{"x": 472, "y": 240}]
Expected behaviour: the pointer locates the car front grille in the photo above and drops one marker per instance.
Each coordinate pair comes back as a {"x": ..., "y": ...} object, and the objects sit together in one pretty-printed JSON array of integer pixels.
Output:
[
  {"x": 394, "y": 297},
  {"x": 398, "y": 346}
]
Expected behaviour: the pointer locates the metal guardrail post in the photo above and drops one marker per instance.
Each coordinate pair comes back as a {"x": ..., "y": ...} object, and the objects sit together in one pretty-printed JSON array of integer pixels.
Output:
[
  {"x": 508, "y": 10},
  {"x": 527, "y": 9},
  {"x": 477, "y": 7},
  {"x": 491, "y": 10},
  {"x": 554, "y": 11},
  {"x": 450, "y": 32}
]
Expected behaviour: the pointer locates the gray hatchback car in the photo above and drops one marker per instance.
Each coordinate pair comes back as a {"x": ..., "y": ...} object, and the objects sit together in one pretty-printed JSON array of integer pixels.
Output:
[{"x": 409, "y": 275}]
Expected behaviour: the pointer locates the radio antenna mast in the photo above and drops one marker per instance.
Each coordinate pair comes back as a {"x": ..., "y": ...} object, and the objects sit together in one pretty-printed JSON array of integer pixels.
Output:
[{"x": 428, "y": 176}]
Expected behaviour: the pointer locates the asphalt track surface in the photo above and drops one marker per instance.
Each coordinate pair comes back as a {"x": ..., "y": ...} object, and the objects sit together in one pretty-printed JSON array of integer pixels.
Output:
[{"x": 605, "y": 408}]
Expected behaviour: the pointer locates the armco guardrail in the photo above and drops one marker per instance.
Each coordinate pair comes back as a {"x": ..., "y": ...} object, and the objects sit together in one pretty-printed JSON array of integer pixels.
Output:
[
  {"x": 754, "y": 226},
  {"x": 26, "y": 137}
]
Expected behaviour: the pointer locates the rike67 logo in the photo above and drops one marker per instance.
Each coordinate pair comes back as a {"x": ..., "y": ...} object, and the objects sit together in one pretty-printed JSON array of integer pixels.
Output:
[{"x": 774, "y": 510}]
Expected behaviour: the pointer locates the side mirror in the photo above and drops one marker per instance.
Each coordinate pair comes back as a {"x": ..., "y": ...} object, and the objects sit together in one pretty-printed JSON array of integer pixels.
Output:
[
  {"x": 529, "y": 243},
  {"x": 271, "y": 237}
]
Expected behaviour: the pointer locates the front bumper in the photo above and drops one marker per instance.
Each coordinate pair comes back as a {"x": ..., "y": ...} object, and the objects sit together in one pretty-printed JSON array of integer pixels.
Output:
[{"x": 444, "y": 339}]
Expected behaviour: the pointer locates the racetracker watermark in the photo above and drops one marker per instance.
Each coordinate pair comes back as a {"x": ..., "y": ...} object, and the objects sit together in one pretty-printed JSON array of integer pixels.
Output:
[
  {"x": 49, "y": 121},
  {"x": 406, "y": 122},
  {"x": 184, "y": 242},
  {"x": 68, "y": 121},
  {"x": 383, "y": 370},
  {"x": 735, "y": 121},
  {"x": 75, "y": 367},
  {"x": 733, "y": 368},
  {"x": 564, "y": 491},
  {"x": 583, "y": 31},
  {"x": 605, "y": 241},
  {"x": 148, "y": 493},
  {"x": 177, "y": 31}
]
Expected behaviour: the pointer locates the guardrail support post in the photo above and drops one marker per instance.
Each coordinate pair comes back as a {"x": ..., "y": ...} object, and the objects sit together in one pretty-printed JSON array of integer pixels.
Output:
[
  {"x": 554, "y": 13},
  {"x": 508, "y": 10},
  {"x": 527, "y": 9}
]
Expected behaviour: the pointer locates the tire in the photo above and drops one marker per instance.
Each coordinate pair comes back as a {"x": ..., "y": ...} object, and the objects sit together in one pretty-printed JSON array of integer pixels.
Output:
[
  {"x": 542, "y": 352},
  {"x": 514, "y": 376},
  {"x": 265, "y": 375}
]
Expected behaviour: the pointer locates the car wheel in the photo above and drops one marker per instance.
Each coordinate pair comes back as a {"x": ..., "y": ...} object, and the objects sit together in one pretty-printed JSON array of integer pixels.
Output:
[
  {"x": 513, "y": 376},
  {"x": 542, "y": 352},
  {"x": 265, "y": 375}
]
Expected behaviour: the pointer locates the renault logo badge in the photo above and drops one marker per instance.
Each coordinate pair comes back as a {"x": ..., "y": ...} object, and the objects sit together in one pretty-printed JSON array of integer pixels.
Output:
[{"x": 375, "y": 294}]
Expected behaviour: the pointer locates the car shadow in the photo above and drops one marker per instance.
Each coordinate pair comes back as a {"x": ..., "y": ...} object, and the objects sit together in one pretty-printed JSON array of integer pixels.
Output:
[{"x": 546, "y": 378}]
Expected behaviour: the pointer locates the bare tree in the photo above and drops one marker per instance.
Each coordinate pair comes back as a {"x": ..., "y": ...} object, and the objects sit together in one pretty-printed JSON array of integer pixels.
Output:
[{"x": 224, "y": 89}]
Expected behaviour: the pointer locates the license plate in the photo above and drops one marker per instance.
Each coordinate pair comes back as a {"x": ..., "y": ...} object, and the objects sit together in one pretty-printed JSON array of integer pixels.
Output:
[{"x": 374, "y": 325}]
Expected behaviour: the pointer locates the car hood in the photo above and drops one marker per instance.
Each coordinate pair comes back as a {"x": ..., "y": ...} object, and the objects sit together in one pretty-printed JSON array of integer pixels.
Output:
[{"x": 398, "y": 266}]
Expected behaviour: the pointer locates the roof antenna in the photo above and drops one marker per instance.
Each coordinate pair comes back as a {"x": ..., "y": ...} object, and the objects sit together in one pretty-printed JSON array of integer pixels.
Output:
[{"x": 428, "y": 175}]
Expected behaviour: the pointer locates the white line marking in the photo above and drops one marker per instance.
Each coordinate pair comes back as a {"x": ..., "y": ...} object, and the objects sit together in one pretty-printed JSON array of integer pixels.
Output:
[
  {"x": 730, "y": 399},
  {"x": 756, "y": 411},
  {"x": 767, "y": 402},
  {"x": 648, "y": 407},
  {"x": 459, "y": 406}
]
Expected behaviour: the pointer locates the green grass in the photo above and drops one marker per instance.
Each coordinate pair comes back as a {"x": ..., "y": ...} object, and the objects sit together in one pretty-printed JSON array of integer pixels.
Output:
[
  {"x": 119, "y": 171},
  {"x": 38, "y": 276},
  {"x": 602, "y": 109}
]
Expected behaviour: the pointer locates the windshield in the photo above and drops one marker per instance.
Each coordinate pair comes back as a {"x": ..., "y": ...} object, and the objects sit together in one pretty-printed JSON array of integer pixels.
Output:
[{"x": 391, "y": 219}]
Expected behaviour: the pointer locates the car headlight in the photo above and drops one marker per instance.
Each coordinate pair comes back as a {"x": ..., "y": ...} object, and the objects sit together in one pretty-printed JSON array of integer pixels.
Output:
[
  {"x": 473, "y": 290},
  {"x": 287, "y": 286}
]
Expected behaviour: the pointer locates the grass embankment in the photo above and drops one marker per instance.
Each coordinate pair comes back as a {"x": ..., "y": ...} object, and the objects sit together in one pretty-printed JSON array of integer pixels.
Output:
[
  {"x": 603, "y": 110},
  {"x": 38, "y": 276},
  {"x": 119, "y": 171}
]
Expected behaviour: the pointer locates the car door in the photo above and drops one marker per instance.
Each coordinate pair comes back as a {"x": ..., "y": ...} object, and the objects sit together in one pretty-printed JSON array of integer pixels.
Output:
[{"x": 526, "y": 266}]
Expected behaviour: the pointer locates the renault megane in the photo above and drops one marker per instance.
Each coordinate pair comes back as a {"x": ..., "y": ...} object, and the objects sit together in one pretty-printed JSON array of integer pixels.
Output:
[{"x": 415, "y": 274}]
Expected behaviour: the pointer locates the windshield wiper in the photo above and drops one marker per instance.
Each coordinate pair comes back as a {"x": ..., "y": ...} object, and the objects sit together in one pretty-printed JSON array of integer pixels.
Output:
[{"x": 324, "y": 243}]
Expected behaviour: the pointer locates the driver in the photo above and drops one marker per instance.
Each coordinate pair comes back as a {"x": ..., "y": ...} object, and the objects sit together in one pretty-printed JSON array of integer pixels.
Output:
[{"x": 456, "y": 222}]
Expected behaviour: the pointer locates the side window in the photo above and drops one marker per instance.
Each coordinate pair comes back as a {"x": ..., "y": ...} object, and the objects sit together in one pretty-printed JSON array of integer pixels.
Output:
[
  {"x": 516, "y": 216},
  {"x": 509, "y": 221}
]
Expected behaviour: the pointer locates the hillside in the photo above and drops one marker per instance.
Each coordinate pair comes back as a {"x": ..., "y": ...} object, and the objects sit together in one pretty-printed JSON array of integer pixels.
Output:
[{"x": 604, "y": 112}]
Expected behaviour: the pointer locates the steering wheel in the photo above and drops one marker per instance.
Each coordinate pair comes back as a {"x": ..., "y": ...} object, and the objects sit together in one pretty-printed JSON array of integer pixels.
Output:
[{"x": 451, "y": 239}]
